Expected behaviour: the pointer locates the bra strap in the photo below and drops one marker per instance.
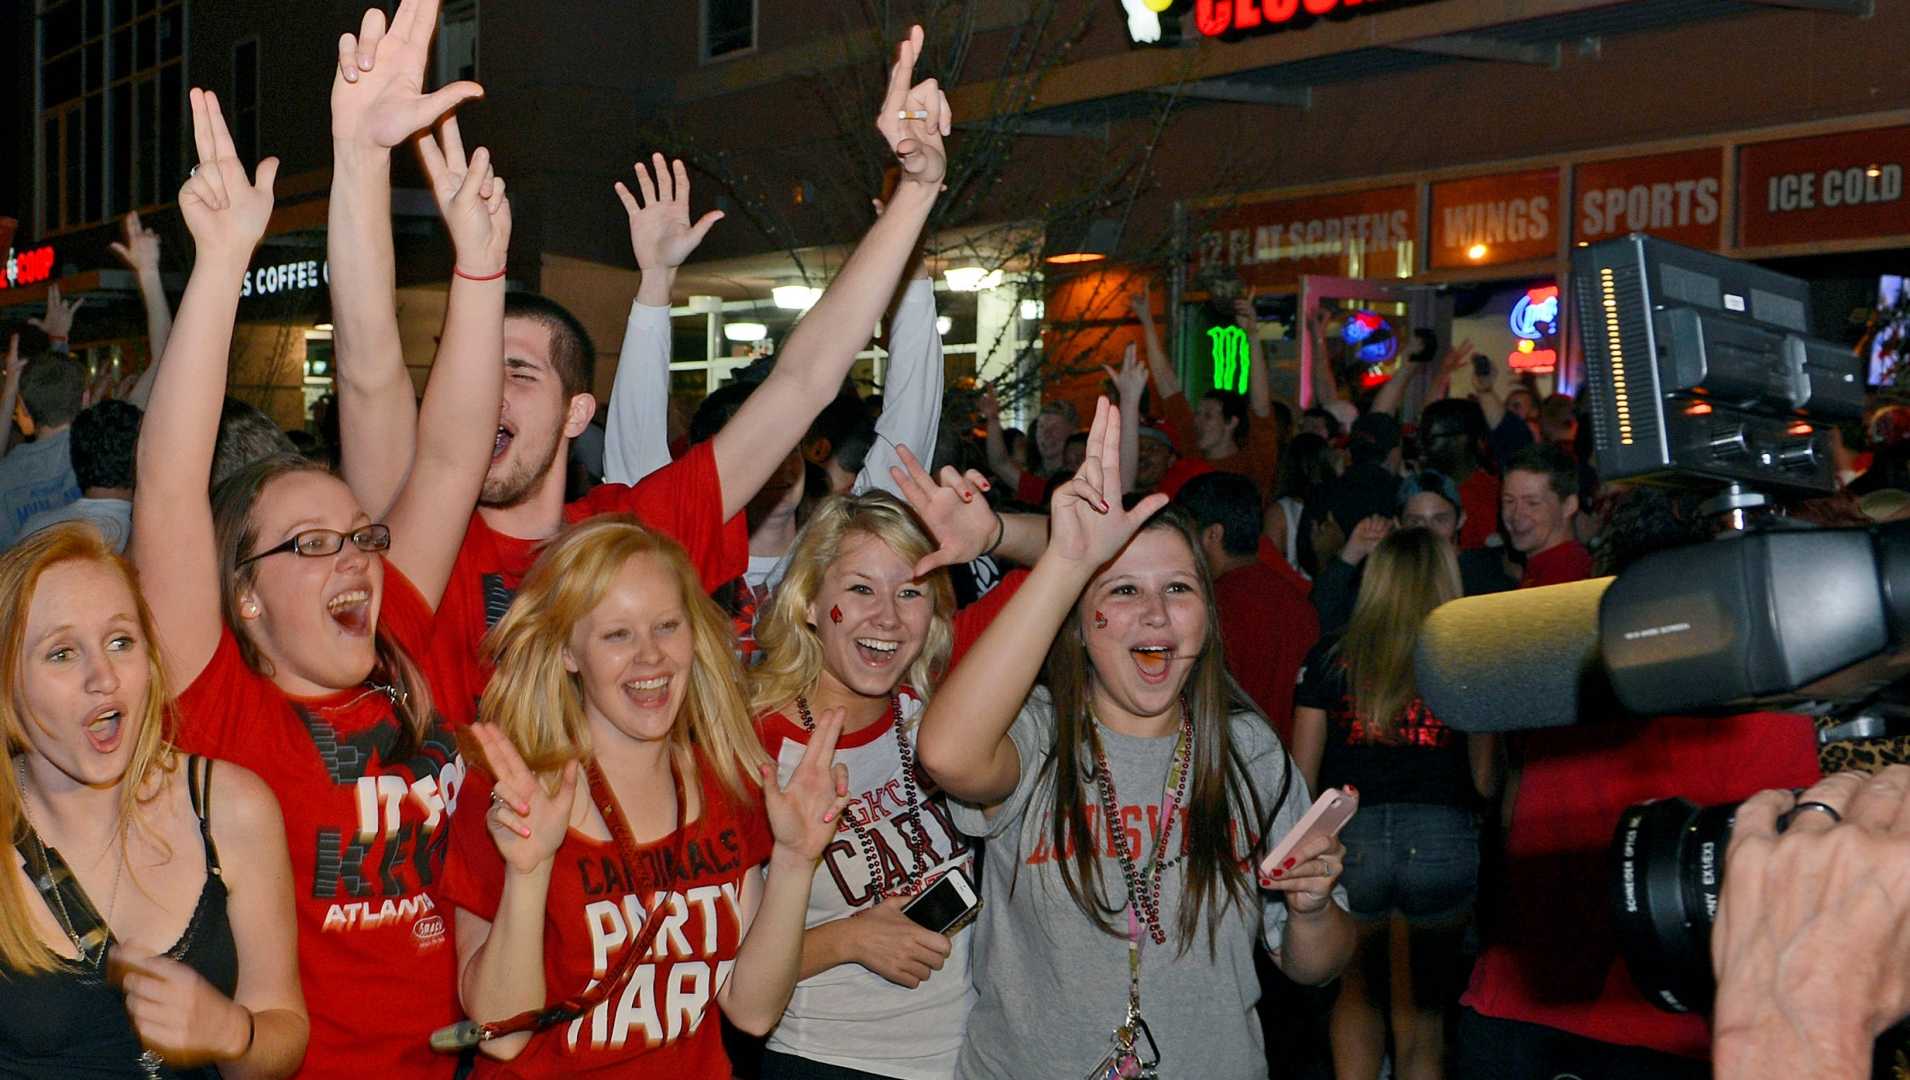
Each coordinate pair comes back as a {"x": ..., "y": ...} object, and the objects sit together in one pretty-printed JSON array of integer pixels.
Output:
[{"x": 199, "y": 786}]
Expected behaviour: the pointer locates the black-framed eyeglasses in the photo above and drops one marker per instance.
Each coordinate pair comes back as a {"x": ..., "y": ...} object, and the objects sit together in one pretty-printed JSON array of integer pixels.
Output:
[{"x": 318, "y": 543}]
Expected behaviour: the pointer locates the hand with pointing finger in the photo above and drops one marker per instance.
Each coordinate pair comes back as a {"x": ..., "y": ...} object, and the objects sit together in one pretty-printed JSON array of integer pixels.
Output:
[
  {"x": 915, "y": 118},
  {"x": 470, "y": 196},
  {"x": 225, "y": 210},
  {"x": 957, "y": 516},
  {"x": 58, "y": 321},
  {"x": 378, "y": 98}
]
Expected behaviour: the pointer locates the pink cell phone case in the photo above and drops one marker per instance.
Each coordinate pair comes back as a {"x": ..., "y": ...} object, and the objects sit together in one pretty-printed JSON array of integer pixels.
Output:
[{"x": 1329, "y": 815}]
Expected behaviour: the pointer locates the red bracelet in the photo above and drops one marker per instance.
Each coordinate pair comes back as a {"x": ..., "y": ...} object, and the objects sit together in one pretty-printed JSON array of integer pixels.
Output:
[{"x": 459, "y": 271}]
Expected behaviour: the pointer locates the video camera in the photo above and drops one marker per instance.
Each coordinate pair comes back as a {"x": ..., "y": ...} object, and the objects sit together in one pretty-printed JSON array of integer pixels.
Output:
[{"x": 1700, "y": 373}]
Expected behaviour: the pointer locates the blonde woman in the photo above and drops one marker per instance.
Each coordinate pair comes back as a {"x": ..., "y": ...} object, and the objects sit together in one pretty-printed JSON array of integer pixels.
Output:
[
  {"x": 1412, "y": 852},
  {"x": 861, "y": 624},
  {"x": 170, "y": 871},
  {"x": 615, "y": 674}
]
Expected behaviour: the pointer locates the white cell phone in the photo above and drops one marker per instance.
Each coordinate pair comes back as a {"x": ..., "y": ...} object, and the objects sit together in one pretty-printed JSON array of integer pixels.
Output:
[
  {"x": 1329, "y": 815},
  {"x": 945, "y": 906}
]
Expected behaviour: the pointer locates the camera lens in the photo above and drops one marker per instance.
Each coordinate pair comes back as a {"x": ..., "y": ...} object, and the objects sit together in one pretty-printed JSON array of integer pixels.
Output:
[{"x": 1667, "y": 872}]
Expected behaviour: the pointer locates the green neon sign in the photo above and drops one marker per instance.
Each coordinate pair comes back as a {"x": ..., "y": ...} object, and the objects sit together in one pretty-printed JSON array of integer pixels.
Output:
[{"x": 1233, "y": 356}]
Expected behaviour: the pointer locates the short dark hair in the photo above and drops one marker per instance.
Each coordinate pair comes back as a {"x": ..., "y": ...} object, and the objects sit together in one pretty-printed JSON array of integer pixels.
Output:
[
  {"x": 246, "y": 435},
  {"x": 1557, "y": 466},
  {"x": 1229, "y": 500},
  {"x": 1234, "y": 407},
  {"x": 1321, "y": 412},
  {"x": 103, "y": 443},
  {"x": 52, "y": 388},
  {"x": 573, "y": 356},
  {"x": 1079, "y": 438},
  {"x": 716, "y": 409}
]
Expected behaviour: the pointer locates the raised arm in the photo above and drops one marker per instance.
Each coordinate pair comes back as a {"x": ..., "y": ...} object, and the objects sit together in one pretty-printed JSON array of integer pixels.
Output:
[
  {"x": 140, "y": 253},
  {"x": 636, "y": 431},
  {"x": 821, "y": 349},
  {"x": 459, "y": 414},
  {"x": 378, "y": 102},
  {"x": 1130, "y": 382},
  {"x": 912, "y": 384},
  {"x": 1259, "y": 379},
  {"x": 964, "y": 526},
  {"x": 1159, "y": 367},
  {"x": 964, "y": 742},
  {"x": 995, "y": 443},
  {"x": 172, "y": 515}
]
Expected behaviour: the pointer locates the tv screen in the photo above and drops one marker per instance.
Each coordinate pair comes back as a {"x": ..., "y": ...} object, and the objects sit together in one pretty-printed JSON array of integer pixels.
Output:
[{"x": 1890, "y": 345}]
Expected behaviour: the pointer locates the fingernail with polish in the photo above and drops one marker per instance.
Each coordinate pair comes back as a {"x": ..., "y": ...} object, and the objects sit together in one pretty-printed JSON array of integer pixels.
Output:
[
  {"x": 968, "y": 496},
  {"x": 1288, "y": 865},
  {"x": 1278, "y": 872}
]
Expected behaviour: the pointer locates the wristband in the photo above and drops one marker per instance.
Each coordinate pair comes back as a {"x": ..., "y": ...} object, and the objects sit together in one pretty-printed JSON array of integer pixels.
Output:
[
  {"x": 1001, "y": 530},
  {"x": 459, "y": 271}
]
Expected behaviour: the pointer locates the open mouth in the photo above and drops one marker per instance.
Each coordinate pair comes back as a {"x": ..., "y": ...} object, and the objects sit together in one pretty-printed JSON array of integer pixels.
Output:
[
  {"x": 103, "y": 729},
  {"x": 651, "y": 693},
  {"x": 351, "y": 610},
  {"x": 1152, "y": 660},
  {"x": 876, "y": 652},
  {"x": 502, "y": 443}
]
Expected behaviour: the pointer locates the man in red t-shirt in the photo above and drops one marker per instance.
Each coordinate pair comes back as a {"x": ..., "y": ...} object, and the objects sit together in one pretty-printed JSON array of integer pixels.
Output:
[
  {"x": 1266, "y": 624},
  {"x": 698, "y": 499},
  {"x": 1538, "y": 500},
  {"x": 1452, "y": 435}
]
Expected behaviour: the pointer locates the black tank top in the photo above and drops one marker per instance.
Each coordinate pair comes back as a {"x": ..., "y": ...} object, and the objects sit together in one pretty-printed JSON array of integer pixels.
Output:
[{"x": 71, "y": 1023}]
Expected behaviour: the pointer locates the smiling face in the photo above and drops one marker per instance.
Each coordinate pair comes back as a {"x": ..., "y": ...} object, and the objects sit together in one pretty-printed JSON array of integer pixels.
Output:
[
  {"x": 533, "y": 420},
  {"x": 1051, "y": 433},
  {"x": 85, "y": 672},
  {"x": 634, "y": 653},
  {"x": 1537, "y": 519},
  {"x": 1212, "y": 429},
  {"x": 1151, "y": 463},
  {"x": 313, "y": 619},
  {"x": 886, "y": 615},
  {"x": 1156, "y": 614}
]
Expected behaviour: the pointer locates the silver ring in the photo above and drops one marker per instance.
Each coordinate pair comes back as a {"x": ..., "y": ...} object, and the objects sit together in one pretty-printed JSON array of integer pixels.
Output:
[
  {"x": 497, "y": 797},
  {"x": 192, "y": 172},
  {"x": 1784, "y": 822}
]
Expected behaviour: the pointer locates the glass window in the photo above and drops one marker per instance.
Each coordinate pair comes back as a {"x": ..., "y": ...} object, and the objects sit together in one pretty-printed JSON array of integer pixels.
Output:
[
  {"x": 113, "y": 91},
  {"x": 145, "y": 39},
  {"x": 120, "y": 60},
  {"x": 173, "y": 111},
  {"x": 92, "y": 153},
  {"x": 244, "y": 109},
  {"x": 146, "y": 184},
  {"x": 60, "y": 79},
  {"x": 729, "y": 27},
  {"x": 172, "y": 33},
  {"x": 59, "y": 27},
  {"x": 52, "y": 215},
  {"x": 120, "y": 109},
  {"x": 458, "y": 41}
]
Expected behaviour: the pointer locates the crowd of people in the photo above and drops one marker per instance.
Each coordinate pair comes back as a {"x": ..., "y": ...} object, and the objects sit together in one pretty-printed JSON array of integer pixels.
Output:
[{"x": 471, "y": 735}]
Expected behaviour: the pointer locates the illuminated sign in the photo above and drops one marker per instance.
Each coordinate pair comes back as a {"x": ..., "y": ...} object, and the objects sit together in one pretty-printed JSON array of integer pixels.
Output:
[
  {"x": 1536, "y": 315},
  {"x": 1529, "y": 357},
  {"x": 1272, "y": 243},
  {"x": 1226, "y": 18},
  {"x": 1233, "y": 358},
  {"x": 1676, "y": 196},
  {"x": 1370, "y": 338},
  {"x": 1828, "y": 187},
  {"x": 29, "y": 267},
  {"x": 286, "y": 277}
]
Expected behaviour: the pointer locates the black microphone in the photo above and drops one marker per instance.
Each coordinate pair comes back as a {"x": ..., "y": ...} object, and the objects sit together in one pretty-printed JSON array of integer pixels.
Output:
[{"x": 1516, "y": 661}]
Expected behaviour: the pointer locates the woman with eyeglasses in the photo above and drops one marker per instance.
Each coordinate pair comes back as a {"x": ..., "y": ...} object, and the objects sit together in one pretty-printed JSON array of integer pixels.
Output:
[
  {"x": 294, "y": 619},
  {"x": 145, "y": 928}
]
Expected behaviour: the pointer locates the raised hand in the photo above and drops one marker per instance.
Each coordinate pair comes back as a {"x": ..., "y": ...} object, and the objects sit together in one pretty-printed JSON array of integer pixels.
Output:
[
  {"x": 140, "y": 252},
  {"x": 58, "y": 322},
  {"x": 890, "y": 944},
  {"x": 226, "y": 212},
  {"x": 378, "y": 98},
  {"x": 527, "y": 821},
  {"x": 177, "y": 1013},
  {"x": 1366, "y": 536},
  {"x": 959, "y": 519},
  {"x": 802, "y": 813},
  {"x": 471, "y": 198},
  {"x": 1085, "y": 527},
  {"x": 661, "y": 236},
  {"x": 1131, "y": 380},
  {"x": 15, "y": 365},
  {"x": 915, "y": 119},
  {"x": 1142, "y": 301},
  {"x": 989, "y": 406}
]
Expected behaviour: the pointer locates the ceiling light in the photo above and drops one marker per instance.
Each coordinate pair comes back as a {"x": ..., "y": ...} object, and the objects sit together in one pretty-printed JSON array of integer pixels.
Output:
[
  {"x": 1476, "y": 252},
  {"x": 943, "y": 324},
  {"x": 795, "y": 297},
  {"x": 323, "y": 328},
  {"x": 971, "y": 278},
  {"x": 1034, "y": 310},
  {"x": 745, "y": 331}
]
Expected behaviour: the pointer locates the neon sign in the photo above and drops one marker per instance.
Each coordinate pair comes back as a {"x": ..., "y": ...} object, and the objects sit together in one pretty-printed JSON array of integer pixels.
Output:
[
  {"x": 29, "y": 267},
  {"x": 1224, "y": 18},
  {"x": 1144, "y": 20},
  {"x": 1536, "y": 315},
  {"x": 1233, "y": 358},
  {"x": 1370, "y": 337}
]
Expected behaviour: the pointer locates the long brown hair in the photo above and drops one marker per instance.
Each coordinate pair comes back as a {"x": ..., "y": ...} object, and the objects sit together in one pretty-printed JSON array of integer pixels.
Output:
[
  {"x": 539, "y": 703},
  {"x": 21, "y": 950},
  {"x": 236, "y": 534},
  {"x": 791, "y": 652},
  {"x": 1409, "y": 574},
  {"x": 1222, "y": 806}
]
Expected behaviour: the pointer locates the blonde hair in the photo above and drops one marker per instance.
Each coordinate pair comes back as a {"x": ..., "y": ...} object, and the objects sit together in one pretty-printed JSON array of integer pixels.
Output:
[
  {"x": 539, "y": 704},
  {"x": 1408, "y": 575},
  {"x": 21, "y": 950},
  {"x": 792, "y": 653}
]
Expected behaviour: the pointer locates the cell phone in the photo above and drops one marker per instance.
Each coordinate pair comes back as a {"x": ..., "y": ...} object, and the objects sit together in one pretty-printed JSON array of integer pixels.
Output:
[
  {"x": 1482, "y": 365},
  {"x": 945, "y": 906},
  {"x": 1329, "y": 815}
]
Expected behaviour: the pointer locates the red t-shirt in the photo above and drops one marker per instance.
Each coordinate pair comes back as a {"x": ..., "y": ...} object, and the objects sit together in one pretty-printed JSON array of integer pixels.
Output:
[
  {"x": 367, "y": 839},
  {"x": 1479, "y": 498},
  {"x": 683, "y": 499},
  {"x": 1552, "y": 956},
  {"x": 1268, "y": 627},
  {"x": 1184, "y": 468},
  {"x": 663, "y": 1021},
  {"x": 1557, "y": 565},
  {"x": 1270, "y": 557}
]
